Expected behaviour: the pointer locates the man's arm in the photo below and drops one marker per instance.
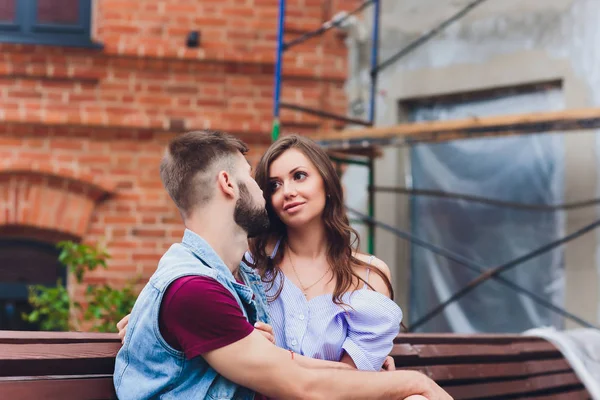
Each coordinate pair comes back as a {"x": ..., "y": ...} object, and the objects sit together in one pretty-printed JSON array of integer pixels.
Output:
[
  {"x": 267, "y": 331},
  {"x": 255, "y": 363},
  {"x": 308, "y": 362}
]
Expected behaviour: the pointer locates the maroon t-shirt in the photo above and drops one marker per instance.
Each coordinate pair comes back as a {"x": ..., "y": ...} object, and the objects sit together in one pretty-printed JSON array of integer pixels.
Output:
[{"x": 198, "y": 315}]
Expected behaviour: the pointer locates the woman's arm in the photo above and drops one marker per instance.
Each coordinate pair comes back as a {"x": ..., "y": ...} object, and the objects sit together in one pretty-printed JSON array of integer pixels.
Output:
[{"x": 370, "y": 334}]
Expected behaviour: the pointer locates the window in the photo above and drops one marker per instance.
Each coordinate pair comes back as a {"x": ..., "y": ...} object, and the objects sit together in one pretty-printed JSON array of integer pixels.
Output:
[
  {"x": 23, "y": 263},
  {"x": 519, "y": 169},
  {"x": 53, "y": 22}
]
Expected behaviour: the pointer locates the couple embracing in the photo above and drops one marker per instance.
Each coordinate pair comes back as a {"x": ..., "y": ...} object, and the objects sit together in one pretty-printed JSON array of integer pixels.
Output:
[{"x": 267, "y": 295}]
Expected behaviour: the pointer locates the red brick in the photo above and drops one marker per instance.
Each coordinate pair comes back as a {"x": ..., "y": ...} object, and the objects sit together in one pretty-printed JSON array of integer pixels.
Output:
[
  {"x": 102, "y": 159},
  {"x": 110, "y": 220},
  {"x": 8, "y": 141},
  {"x": 66, "y": 145},
  {"x": 153, "y": 257},
  {"x": 142, "y": 232}
]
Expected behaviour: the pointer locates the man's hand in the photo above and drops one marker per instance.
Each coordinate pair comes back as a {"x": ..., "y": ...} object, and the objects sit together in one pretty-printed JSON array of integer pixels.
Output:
[
  {"x": 432, "y": 391},
  {"x": 122, "y": 327},
  {"x": 266, "y": 330}
]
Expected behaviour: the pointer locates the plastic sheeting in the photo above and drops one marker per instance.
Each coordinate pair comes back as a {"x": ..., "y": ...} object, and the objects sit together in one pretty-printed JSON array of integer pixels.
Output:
[{"x": 525, "y": 169}]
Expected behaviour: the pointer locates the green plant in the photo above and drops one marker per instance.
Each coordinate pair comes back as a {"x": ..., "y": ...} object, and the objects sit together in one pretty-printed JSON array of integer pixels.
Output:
[
  {"x": 81, "y": 258},
  {"x": 107, "y": 306},
  {"x": 53, "y": 308}
]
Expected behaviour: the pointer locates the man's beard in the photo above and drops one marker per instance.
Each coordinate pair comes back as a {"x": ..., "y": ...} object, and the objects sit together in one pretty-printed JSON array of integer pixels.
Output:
[{"x": 251, "y": 218}]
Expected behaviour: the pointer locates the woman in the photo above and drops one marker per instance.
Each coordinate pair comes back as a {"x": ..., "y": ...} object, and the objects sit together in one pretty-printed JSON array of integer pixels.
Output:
[{"x": 326, "y": 300}]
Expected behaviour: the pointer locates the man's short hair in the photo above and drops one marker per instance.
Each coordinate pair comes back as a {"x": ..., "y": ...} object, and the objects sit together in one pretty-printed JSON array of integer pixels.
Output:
[{"x": 186, "y": 169}]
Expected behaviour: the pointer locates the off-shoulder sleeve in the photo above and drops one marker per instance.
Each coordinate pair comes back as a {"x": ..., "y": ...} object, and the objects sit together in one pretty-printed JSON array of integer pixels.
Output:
[
  {"x": 373, "y": 323},
  {"x": 248, "y": 257}
]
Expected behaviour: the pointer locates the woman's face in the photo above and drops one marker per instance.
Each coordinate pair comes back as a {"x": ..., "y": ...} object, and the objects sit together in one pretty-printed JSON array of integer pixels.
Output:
[{"x": 297, "y": 189}]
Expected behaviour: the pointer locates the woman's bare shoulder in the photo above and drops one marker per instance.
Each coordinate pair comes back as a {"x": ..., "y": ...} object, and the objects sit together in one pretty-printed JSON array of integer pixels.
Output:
[
  {"x": 376, "y": 281},
  {"x": 373, "y": 262}
]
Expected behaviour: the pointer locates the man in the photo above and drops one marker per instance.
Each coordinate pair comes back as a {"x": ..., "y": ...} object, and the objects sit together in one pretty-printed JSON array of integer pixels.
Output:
[{"x": 190, "y": 334}]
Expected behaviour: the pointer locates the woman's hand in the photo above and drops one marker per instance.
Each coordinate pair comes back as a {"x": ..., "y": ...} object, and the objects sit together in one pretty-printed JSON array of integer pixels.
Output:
[
  {"x": 122, "y": 327},
  {"x": 389, "y": 364},
  {"x": 266, "y": 330}
]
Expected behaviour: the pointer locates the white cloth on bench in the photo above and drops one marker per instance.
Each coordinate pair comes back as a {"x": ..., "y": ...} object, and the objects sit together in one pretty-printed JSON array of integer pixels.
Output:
[{"x": 581, "y": 348}]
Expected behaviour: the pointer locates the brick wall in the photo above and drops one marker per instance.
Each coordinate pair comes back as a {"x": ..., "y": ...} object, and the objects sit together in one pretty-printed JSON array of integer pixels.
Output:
[{"x": 82, "y": 131}]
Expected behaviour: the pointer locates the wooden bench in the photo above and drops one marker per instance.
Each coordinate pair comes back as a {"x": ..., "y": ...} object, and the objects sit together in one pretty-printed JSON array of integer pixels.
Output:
[
  {"x": 70, "y": 366},
  {"x": 490, "y": 366},
  {"x": 57, "y": 365}
]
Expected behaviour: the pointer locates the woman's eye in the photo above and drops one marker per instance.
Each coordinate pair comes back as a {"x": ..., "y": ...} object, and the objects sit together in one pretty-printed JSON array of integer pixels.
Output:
[
  {"x": 300, "y": 175},
  {"x": 274, "y": 186}
]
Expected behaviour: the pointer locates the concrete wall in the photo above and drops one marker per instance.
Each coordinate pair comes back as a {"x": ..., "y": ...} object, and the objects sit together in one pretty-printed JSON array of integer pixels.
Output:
[{"x": 500, "y": 44}]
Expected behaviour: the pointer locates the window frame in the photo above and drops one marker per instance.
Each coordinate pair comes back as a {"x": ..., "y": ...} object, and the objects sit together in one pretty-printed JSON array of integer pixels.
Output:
[{"x": 25, "y": 28}]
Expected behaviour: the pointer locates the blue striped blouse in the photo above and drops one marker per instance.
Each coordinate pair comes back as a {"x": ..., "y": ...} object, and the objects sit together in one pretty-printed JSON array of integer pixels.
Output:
[{"x": 319, "y": 328}]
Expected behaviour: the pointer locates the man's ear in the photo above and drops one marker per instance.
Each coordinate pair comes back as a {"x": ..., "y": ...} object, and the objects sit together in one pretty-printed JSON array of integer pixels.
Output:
[{"x": 225, "y": 184}]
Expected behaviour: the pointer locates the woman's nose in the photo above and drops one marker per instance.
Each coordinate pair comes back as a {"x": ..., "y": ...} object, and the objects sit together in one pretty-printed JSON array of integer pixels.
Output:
[{"x": 289, "y": 189}]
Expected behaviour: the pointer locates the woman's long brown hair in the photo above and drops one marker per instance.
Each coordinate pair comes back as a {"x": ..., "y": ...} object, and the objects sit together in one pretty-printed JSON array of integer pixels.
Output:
[{"x": 342, "y": 239}]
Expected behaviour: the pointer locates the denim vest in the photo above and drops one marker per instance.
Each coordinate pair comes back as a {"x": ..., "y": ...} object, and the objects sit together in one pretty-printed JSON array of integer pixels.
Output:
[{"x": 146, "y": 366}]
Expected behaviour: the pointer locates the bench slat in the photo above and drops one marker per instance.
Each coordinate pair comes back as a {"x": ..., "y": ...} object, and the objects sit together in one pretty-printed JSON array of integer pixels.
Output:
[
  {"x": 474, "y": 372},
  {"x": 575, "y": 394},
  {"x": 451, "y": 338},
  {"x": 57, "y": 351},
  {"x": 452, "y": 350},
  {"x": 16, "y": 337},
  {"x": 518, "y": 387},
  {"x": 58, "y": 358},
  {"x": 71, "y": 388},
  {"x": 81, "y": 366},
  {"x": 427, "y": 354}
]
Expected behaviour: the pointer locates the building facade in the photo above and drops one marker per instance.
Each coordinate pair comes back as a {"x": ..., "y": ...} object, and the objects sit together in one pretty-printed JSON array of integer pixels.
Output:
[{"x": 90, "y": 93}]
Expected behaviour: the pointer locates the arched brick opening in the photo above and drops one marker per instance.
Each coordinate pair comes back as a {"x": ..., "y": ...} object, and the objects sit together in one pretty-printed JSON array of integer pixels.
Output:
[
  {"x": 39, "y": 207},
  {"x": 50, "y": 203}
]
